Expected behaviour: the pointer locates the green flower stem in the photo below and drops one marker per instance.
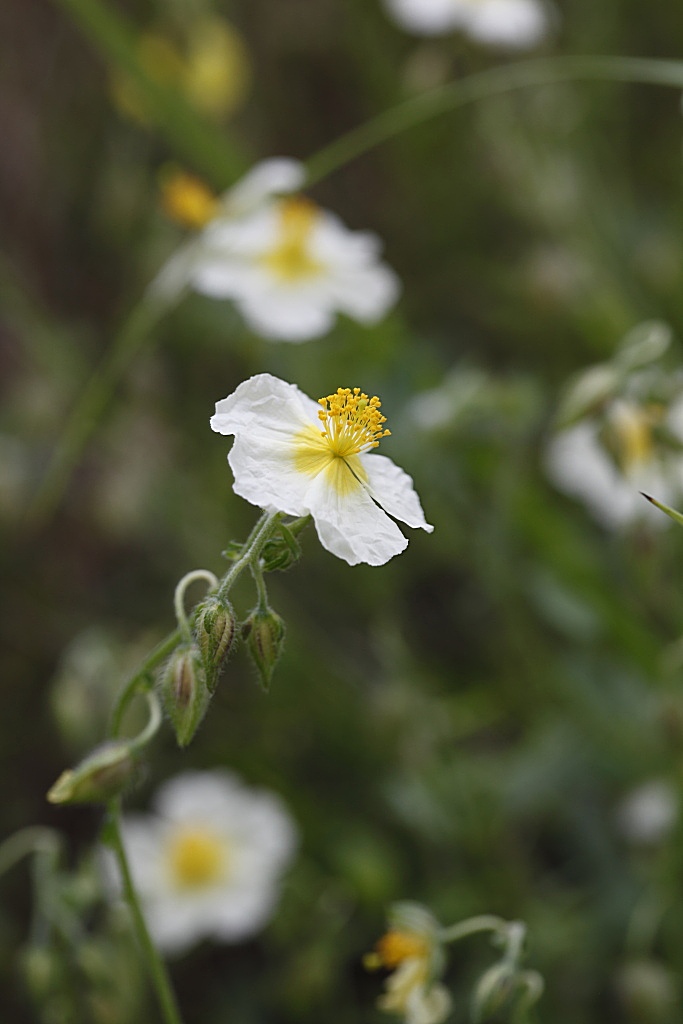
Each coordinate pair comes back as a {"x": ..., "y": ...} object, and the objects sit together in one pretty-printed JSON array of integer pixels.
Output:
[
  {"x": 155, "y": 965},
  {"x": 482, "y": 923},
  {"x": 179, "y": 597},
  {"x": 261, "y": 591},
  {"x": 264, "y": 529},
  {"x": 207, "y": 148},
  {"x": 141, "y": 679},
  {"x": 92, "y": 403},
  {"x": 493, "y": 82}
]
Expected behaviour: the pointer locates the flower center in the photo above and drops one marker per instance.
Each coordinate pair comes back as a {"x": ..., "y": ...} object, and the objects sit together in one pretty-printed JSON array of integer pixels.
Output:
[
  {"x": 197, "y": 858},
  {"x": 394, "y": 948},
  {"x": 187, "y": 200},
  {"x": 290, "y": 259},
  {"x": 352, "y": 422},
  {"x": 629, "y": 434}
]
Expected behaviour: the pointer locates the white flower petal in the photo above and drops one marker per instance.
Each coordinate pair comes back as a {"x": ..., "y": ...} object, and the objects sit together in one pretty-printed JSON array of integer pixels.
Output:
[
  {"x": 393, "y": 489},
  {"x": 426, "y": 17},
  {"x": 288, "y": 317},
  {"x": 352, "y": 526},
  {"x": 276, "y": 176},
  {"x": 514, "y": 23},
  {"x": 267, "y": 407}
]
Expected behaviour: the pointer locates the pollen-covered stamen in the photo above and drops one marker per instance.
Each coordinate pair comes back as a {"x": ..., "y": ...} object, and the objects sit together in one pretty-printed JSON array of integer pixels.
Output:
[
  {"x": 394, "y": 948},
  {"x": 352, "y": 422}
]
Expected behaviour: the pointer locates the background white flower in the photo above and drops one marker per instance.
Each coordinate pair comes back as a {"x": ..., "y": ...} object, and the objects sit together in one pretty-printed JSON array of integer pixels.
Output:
[
  {"x": 207, "y": 863},
  {"x": 301, "y": 457},
  {"x": 509, "y": 23},
  {"x": 289, "y": 266},
  {"x": 610, "y": 482}
]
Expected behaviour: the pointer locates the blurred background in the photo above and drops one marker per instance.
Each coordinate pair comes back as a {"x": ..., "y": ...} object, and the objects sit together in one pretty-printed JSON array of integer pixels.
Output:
[{"x": 492, "y": 722}]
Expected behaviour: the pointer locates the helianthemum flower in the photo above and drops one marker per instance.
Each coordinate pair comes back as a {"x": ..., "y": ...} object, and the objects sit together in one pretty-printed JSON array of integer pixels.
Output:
[
  {"x": 208, "y": 862},
  {"x": 410, "y": 949},
  {"x": 300, "y": 457},
  {"x": 608, "y": 460},
  {"x": 289, "y": 266},
  {"x": 511, "y": 23}
]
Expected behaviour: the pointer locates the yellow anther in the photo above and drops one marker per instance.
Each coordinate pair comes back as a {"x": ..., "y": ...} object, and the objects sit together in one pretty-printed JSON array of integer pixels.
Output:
[
  {"x": 196, "y": 858},
  {"x": 290, "y": 257},
  {"x": 394, "y": 948},
  {"x": 352, "y": 422},
  {"x": 187, "y": 199}
]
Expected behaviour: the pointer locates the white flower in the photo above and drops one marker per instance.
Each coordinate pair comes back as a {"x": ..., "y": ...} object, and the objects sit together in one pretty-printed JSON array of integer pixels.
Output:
[
  {"x": 411, "y": 950},
  {"x": 508, "y": 23},
  {"x": 288, "y": 265},
  {"x": 609, "y": 479},
  {"x": 208, "y": 862},
  {"x": 301, "y": 457}
]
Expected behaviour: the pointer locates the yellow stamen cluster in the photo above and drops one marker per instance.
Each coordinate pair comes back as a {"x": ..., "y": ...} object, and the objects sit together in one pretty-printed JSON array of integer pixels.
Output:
[
  {"x": 196, "y": 858},
  {"x": 290, "y": 258},
  {"x": 187, "y": 199},
  {"x": 352, "y": 422},
  {"x": 394, "y": 948}
]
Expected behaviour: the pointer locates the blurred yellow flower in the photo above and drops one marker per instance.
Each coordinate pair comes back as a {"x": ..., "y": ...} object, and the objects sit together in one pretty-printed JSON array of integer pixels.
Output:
[{"x": 211, "y": 70}]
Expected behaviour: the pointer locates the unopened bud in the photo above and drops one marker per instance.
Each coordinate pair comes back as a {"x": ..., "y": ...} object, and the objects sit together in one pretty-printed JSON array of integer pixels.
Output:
[
  {"x": 184, "y": 691},
  {"x": 102, "y": 775},
  {"x": 214, "y": 630},
  {"x": 493, "y": 990},
  {"x": 264, "y": 632}
]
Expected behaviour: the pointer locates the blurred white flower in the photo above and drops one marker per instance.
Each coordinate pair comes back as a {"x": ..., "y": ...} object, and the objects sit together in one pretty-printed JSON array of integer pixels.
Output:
[
  {"x": 207, "y": 863},
  {"x": 288, "y": 265},
  {"x": 607, "y": 461},
  {"x": 648, "y": 813},
  {"x": 506, "y": 23},
  {"x": 411, "y": 950},
  {"x": 301, "y": 457}
]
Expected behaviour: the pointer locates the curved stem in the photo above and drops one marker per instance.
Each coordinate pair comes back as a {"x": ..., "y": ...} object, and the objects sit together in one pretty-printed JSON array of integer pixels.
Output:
[
  {"x": 264, "y": 528},
  {"x": 179, "y": 597},
  {"x": 493, "y": 82},
  {"x": 34, "y": 839},
  {"x": 482, "y": 923},
  {"x": 262, "y": 593},
  {"x": 160, "y": 652},
  {"x": 91, "y": 404},
  {"x": 157, "y": 969}
]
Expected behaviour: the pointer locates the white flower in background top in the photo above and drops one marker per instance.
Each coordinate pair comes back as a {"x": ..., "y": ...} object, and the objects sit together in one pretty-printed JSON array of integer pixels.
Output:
[
  {"x": 507, "y": 23},
  {"x": 607, "y": 461},
  {"x": 289, "y": 266},
  {"x": 207, "y": 863},
  {"x": 301, "y": 457}
]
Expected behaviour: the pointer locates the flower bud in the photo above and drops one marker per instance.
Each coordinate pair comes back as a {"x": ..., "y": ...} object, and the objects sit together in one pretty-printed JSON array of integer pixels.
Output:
[
  {"x": 214, "y": 630},
  {"x": 99, "y": 777},
  {"x": 185, "y": 692},
  {"x": 264, "y": 632},
  {"x": 493, "y": 990}
]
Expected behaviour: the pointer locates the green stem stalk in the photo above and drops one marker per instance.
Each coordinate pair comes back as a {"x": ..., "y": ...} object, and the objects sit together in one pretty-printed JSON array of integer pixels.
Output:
[
  {"x": 264, "y": 528},
  {"x": 156, "y": 967},
  {"x": 493, "y": 82},
  {"x": 482, "y": 923},
  {"x": 136, "y": 681}
]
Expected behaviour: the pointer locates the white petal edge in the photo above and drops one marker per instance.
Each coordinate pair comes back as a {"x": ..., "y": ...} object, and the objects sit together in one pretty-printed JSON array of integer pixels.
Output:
[
  {"x": 393, "y": 489},
  {"x": 351, "y": 526}
]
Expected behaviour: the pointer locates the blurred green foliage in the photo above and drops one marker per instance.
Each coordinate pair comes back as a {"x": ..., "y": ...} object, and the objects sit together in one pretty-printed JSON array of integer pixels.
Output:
[{"x": 461, "y": 726}]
